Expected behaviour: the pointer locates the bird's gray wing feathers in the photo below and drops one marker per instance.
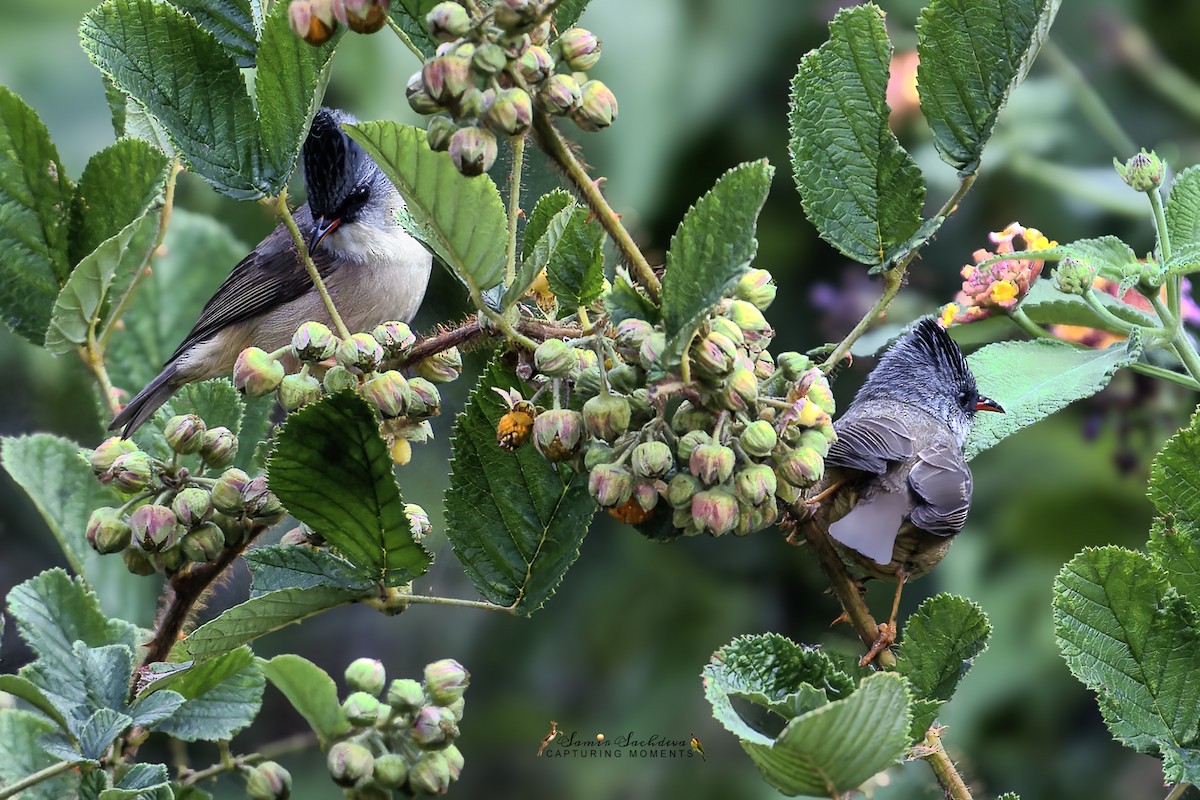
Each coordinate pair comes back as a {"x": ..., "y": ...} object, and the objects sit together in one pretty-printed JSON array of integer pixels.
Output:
[
  {"x": 941, "y": 481},
  {"x": 872, "y": 525},
  {"x": 870, "y": 444},
  {"x": 271, "y": 275}
]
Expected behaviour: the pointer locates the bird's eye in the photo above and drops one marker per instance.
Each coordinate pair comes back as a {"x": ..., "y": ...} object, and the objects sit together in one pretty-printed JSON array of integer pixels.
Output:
[
  {"x": 357, "y": 198},
  {"x": 966, "y": 400}
]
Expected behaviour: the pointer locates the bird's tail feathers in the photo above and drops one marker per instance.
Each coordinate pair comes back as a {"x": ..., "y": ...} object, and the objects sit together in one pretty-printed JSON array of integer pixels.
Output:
[{"x": 145, "y": 403}]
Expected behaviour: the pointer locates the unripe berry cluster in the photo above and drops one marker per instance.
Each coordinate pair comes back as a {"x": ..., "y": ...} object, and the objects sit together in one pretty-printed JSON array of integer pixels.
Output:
[
  {"x": 494, "y": 71},
  {"x": 721, "y": 445},
  {"x": 315, "y": 21},
  {"x": 402, "y": 734}
]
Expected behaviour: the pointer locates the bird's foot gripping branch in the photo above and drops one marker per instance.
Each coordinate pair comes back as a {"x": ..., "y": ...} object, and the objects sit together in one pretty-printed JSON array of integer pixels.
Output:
[{"x": 650, "y": 393}]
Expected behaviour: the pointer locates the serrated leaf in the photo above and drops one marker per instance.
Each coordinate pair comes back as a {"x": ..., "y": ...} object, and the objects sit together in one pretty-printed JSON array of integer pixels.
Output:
[
  {"x": 281, "y": 567},
  {"x": 198, "y": 94},
  {"x": 99, "y": 731},
  {"x": 538, "y": 245},
  {"x": 1046, "y": 305},
  {"x": 1175, "y": 547},
  {"x": 514, "y": 521},
  {"x": 289, "y": 85},
  {"x": 409, "y": 16},
  {"x": 972, "y": 55},
  {"x": 117, "y": 186},
  {"x": 216, "y": 401},
  {"x": 21, "y": 687},
  {"x": 626, "y": 302},
  {"x": 1135, "y": 643},
  {"x": 462, "y": 219},
  {"x": 924, "y": 714},
  {"x": 574, "y": 258},
  {"x": 331, "y": 469},
  {"x": 1174, "y": 485},
  {"x": 860, "y": 189},
  {"x": 311, "y": 692},
  {"x": 711, "y": 249},
  {"x": 222, "y": 696},
  {"x": 568, "y": 13},
  {"x": 234, "y": 23},
  {"x": 141, "y": 782},
  {"x": 35, "y": 203},
  {"x": 1185, "y": 259},
  {"x": 86, "y": 293},
  {"x": 259, "y": 616},
  {"x": 1032, "y": 380},
  {"x": 546, "y": 209},
  {"x": 1183, "y": 208},
  {"x": 540, "y": 254},
  {"x": 1111, "y": 257},
  {"x": 940, "y": 643},
  {"x": 22, "y": 756}
]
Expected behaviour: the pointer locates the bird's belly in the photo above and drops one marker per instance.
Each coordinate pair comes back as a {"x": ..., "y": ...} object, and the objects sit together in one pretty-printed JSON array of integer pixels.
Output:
[{"x": 915, "y": 552}]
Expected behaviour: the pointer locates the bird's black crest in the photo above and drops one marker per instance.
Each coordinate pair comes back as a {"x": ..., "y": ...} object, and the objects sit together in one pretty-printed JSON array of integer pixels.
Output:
[
  {"x": 332, "y": 162},
  {"x": 933, "y": 339},
  {"x": 923, "y": 360}
]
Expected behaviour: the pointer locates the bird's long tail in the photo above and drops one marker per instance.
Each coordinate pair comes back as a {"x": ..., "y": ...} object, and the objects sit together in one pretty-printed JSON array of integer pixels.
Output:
[{"x": 145, "y": 403}]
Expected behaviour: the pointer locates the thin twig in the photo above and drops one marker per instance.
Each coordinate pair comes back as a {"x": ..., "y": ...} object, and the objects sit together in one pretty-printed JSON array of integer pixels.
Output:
[
  {"x": 396, "y": 29},
  {"x": 514, "y": 211},
  {"x": 934, "y": 752},
  {"x": 281, "y": 207},
  {"x": 268, "y": 752},
  {"x": 453, "y": 601},
  {"x": 44, "y": 774},
  {"x": 1178, "y": 791}
]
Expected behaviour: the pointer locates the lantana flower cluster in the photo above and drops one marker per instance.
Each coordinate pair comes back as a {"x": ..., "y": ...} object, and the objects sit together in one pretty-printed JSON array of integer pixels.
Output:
[{"x": 998, "y": 286}]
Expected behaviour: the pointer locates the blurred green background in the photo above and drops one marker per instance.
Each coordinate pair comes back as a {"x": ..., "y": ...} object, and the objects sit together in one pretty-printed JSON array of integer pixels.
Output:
[{"x": 703, "y": 85}]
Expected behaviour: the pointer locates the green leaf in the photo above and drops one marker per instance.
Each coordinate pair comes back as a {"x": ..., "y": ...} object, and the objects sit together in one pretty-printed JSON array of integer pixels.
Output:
[
  {"x": 568, "y": 13},
  {"x": 259, "y": 616},
  {"x": 35, "y": 200},
  {"x": 574, "y": 258},
  {"x": 114, "y": 263},
  {"x": 461, "y": 219},
  {"x": 540, "y": 254},
  {"x": 198, "y": 94},
  {"x": 1185, "y": 259},
  {"x": 24, "y": 688},
  {"x": 972, "y": 55},
  {"x": 1175, "y": 547},
  {"x": 141, "y": 782},
  {"x": 711, "y": 249},
  {"x": 1183, "y": 208},
  {"x": 1134, "y": 642},
  {"x": 311, "y": 691},
  {"x": 514, "y": 520},
  {"x": 860, "y": 189},
  {"x": 1032, "y": 380},
  {"x": 223, "y": 697},
  {"x": 546, "y": 209},
  {"x": 1174, "y": 484},
  {"x": 215, "y": 401},
  {"x": 1046, "y": 305},
  {"x": 940, "y": 643},
  {"x": 99, "y": 732},
  {"x": 235, "y": 24},
  {"x": 289, "y": 85},
  {"x": 21, "y": 755},
  {"x": 409, "y": 16},
  {"x": 118, "y": 185},
  {"x": 282, "y": 567},
  {"x": 626, "y": 302},
  {"x": 537, "y": 246},
  {"x": 332, "y": 471}
]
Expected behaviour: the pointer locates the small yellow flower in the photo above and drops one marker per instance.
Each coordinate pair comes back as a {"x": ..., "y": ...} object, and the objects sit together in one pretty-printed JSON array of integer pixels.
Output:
[
  {"x": 1036, "y": 240},
  {"x": 947, "y": 314},
  {"x": 1003, "y": 291}
]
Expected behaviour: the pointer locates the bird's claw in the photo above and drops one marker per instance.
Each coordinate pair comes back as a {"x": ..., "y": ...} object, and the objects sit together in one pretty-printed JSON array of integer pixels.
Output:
[{"x": 885, "y": 639}]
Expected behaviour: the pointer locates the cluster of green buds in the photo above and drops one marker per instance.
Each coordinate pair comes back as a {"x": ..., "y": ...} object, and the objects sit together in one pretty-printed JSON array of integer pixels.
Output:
[
  {"x": 402, "y": 734},
  {"x": 719, "y": 438},
  {"x": 315, "y": 21},
  {"x": 365, "y": 363},
  {"x": 498, "y": 67},
  {"x": 179, "y": 512}
]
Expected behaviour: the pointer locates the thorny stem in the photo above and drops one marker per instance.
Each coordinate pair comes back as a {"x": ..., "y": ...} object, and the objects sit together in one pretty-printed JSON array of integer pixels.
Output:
[
  {"x": 44, "y": 774},
  {"x": 893, "y": 279},
  {"x": 470, "y": 333},
  {"x": 281, "y": 207},
  {"x": 934, "y": 752},
  {"x": 268, "y": 752},
  {"x": 452, "y": 601},
  {"x": 1178, "y": 791},
  {"x": 557, "y": 149},
  {"x": 514, "y": 210}
]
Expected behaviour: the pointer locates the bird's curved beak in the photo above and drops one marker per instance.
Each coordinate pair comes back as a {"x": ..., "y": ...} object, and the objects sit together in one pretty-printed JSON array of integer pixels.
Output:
[
  {"x": 988, "y": 404},
  {"x": 322, "y": 227}
]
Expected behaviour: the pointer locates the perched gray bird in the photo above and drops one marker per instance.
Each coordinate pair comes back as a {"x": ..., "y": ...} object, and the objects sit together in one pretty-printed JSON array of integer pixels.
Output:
[
  {"x": 897, "y": 486},
  {"x": 373, "y": 269}
]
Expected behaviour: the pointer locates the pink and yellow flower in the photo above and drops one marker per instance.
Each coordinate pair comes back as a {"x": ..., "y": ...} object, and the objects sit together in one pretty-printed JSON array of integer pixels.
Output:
[{"x": 1001, "y": 285}]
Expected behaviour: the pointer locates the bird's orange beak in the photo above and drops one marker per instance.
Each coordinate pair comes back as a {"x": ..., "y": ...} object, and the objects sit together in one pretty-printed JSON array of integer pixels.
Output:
[
  {"x": 322, "y": 227},
  {"x": 988, "y": 404}
]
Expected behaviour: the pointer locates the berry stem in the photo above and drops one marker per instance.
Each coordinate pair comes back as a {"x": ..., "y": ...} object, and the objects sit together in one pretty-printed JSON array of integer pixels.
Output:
[
  {"x": 514, "y": 210},
  {"x": 555, "y": 146},
  {"x": 948, "y": 777},
  {"x": 44, "y": 774},
  {"x": 396, "y": 29},
  {"x": 268, "y": 752},
  {"x": 281, "y": 207},
  {"x": 1178, "y": 791},
  {"x": 453, "y": 601}
]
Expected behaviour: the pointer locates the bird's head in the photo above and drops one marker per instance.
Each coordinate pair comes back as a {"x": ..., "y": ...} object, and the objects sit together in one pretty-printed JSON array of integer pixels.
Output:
[
  {"x": 344, "y": 185},
  {"x": 926, "y": 368}
]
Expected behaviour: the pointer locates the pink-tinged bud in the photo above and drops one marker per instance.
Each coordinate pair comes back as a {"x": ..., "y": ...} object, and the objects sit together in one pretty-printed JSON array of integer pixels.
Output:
[
  {"x": 713, "y": 355},
  {"x": 269, "y": 781},
  {"x": 559, "y": 95},
  {"x": 439, "y": 132},
  {"x": 448, "y": 21},
  {"x": 361, "y": 16},
  {"x": 185, "y": 433},
  {"x": 256, "y": 372},
  {"x": 535, "y": 65},
  {"x": 597, "y": 109},
  {"x": 441, "y": 367},
  {"x": 391, "y": 770},
  {"x": 580, "y": 49},
  {"x": 419, "y": 98},
  {"x": 349, "y": 763},
  {"x": 418, "y": 520},
  {"x": 455, "y": 760},
  {"x": 554, "y": 358},
  {"x": 511, "y": 15},
  {"x": 102, "y": 458},
  {"x": 154, "y": 527},
  {"x": 715, "y": 511},
  {"x": 362, "y": 709},
  {"x": 203, "y": 544},
  {"x": 712, "y": 463},
  {"x": 755, "y": 518},
  {"x": 1143, "y": 172},
  {"x": 260, "y": 503},
  {"x": 446, "y": 681},
  {"x": 764, "y": 366},
  {"x": 558, "y": 433},
  {"x": 540, "y": 33},
  {"x": 758, "y": 439},
  {"x": 107, "y": 531},
  {"x": 433, "y": 727},
  {"x": 756, "y": 287},
  {"x": 610, "y": 485},
  {"x": 360, "y": 351},
  {"x": 130, "y": 473},
  {"x": 386, "y": 391},
  {"x": 820, "y": 394},
  {"x": 688, "y": 443},
  {"x": 727, "y": 328},
  {"x": 219, "y": 448},
  {"x": 752, "y": 323},
  {"x": 446, "y": 77},
  {"x": 405, "y": 696},
  {"x": 473, "y": 150},
  {"x": 646, "y": 494},
  {"x": 312, "y": 20},
  {"x": 313, "y": 341},
  {"x": 227, "y": 491},
  {"x": 430, "y": 774},
  {"x": 740, "y": 390},
  {"x": 395, "y": 337},
  {"x": 652, "y": 460},
  {"x": 630, "y": 335},
  {"x": 298, "y": 390},
  {"x": 489, "y": 58},
  {"x": 801, "y": 467},
  {"x": 606, "y": 416},
  {"x": 682, "y": 489},
  {"x": 793, "y": 364},
  {"x": 192, "y": 506},
  {"x": 650, "y": 354},
  {"x": 422, "y": 399},
  {"x": 366, "y": 675},
  {"x": 755, "y": 484}
]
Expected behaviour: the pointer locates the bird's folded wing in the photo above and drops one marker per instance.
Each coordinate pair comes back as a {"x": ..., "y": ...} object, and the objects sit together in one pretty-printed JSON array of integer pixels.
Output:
[
  {"x": 870, "y": 444},
  {"x": 941, "y": 481}
]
